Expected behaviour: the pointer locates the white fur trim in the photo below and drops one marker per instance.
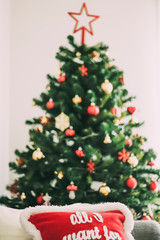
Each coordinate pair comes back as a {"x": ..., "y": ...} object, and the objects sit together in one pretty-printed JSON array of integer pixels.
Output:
[{"x": 102, "y": 207}]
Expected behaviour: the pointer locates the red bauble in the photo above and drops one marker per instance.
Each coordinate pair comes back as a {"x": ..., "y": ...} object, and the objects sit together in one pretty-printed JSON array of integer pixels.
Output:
[
  {"x": 128, "y": 142},
  {"x": 153, "y": 186},
  {"x": 93, "y": 109},
  {"x": 80, "y": 153},
  {"x": 114, "y": 111},
  {"x": 121, "y": 79},
  {"x": 146, "y": 217},
  {"x": 50, "y": 104},
  {"x": 62, "y": 78},
  {"x": 40, "y": 199},
  {"x": 70, "y": 132},
  {"x": 131, "y": 182},
  {"x": 151, "y": 163},
  {"x": 131, "y": 110}
]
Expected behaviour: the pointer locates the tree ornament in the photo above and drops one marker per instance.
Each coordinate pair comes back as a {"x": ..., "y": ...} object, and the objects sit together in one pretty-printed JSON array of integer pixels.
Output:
[
  {"x": 62, "y": 121},
  {"x": 59, "y": 174},
  {"x": 129, "y": 142},
  {"x": 90, "y": 167},
  {"x": 121, "y": 79},
  {"x": 104, "y": 190},
  {"x": 107, "y": 87},
  {"x": 23, "y": 196},
  {"x": 80, "y": 153},
  {"x": 124, "y": 155},
  {"x": 142, "y": 141},
  {"x": 40, "y": 199},
  {"x": 69, "y": 142},
  {"x": 133, "y": 161},
  {"x": 131, "y": 182},
  {"x": 62, "y": 78},
  {"x": 50, "y": 104},
  {"x": 118, "y": 121},
  {"x": 151, "y": 163},
  {"x": 145, "y": 217},
  {"x": 93, "y": 109},
  {"x": 44, "y": 120},
  {"x": 55, "y": 136},
  {"x": 134, "y": 120},
  {"x": 72, "y": 188},
  {"x": 107, "y": 139},
  {"x": 78, "y": 54},
  {"x": 46, "y": 199},
  {"x": 95, "y": 55},
  {"x": 114, "y": 111},
  {"x": 80, "y": 26},
  {"x": 33, "y": 103},
  {"x": 70, "y": 132},
  {"x": 13, "y": 188},
  {"x": 108, "y": 65},
  {"x": 20, "y": 162},
  {"x": 131, "y": 110},
  {"x": 83, "y": 70},
  {"x": 76, "y": 99},
  {"x": 39, "y": 129},
  {"x": 153, "y": 186},
  {"x": 37, "y": 154}
]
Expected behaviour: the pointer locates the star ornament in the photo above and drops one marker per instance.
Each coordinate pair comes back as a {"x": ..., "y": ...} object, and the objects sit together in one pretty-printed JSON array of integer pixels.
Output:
[
  {"x": 83, "y": 21},
  {"x": 124, "y": 155},
  {"x": 62, "y": 121},
  {"x": 90, "y": 166}
]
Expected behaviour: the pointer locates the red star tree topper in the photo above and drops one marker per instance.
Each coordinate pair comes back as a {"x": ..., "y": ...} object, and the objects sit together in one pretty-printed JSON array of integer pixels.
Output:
[{"x": 82, "y": 19}]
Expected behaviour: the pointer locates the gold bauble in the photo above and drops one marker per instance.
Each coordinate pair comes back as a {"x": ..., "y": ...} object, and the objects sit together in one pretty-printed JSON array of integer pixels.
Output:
[
  {"x": 108, "y": 65},
  {"x": 48, "y": 87},
  {"x": 78, "y": 54},
  {"x": 34, "y": 103},
  {"x": 37, "y": 154},
  {"x": 76, "y": 99},
  {"x": 107, "y": 87},
  {"x": 133, "y": 161},
  {"x": 23, "y": 196},
  {"x": 107, "y": 139},
  {"x": 104, "y": 190},
  {"x": 95, "y": 54},
  {"x": 142, "y": 141}
]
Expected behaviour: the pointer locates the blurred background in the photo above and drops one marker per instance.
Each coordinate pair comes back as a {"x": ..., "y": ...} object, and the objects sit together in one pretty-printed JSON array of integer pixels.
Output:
[{"x": 31, "y": 32}]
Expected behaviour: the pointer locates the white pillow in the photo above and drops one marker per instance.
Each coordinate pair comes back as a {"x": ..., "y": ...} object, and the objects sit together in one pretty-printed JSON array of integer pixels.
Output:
[{"x": 10, "y": 227}]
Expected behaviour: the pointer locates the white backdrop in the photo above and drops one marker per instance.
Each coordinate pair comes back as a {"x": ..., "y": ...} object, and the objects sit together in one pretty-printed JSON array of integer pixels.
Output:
[{"x": 39, "y": 27}]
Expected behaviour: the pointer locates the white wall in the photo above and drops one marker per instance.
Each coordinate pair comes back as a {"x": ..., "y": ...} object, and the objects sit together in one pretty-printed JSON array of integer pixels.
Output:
[
  {"x": 39, "y": 27},
  {"x": 4, "y": 91}
]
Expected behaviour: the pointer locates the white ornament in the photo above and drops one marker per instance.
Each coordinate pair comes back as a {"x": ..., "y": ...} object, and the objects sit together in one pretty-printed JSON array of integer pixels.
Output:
[
  {"x": 133, "y": 161},
  {"x": 47, "y": 199},
  {"x": 107, "y": 87},
  {"x": 72, "y": 195},
  {"x": 53, "y": 183},
  {"x": 95, "y": 185},
  {"x": 107, "y": 139},
  {"x": 69, "y": 143}
]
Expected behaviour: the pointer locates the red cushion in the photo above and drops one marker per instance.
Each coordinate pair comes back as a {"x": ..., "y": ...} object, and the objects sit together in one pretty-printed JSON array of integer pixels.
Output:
[
  {"x": 79, "y": 225},
  {"x": 109, "y": 221}
]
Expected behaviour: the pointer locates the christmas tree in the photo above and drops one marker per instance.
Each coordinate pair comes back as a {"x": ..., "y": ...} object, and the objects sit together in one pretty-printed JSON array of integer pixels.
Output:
[{"x": 83, "y": 149}]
